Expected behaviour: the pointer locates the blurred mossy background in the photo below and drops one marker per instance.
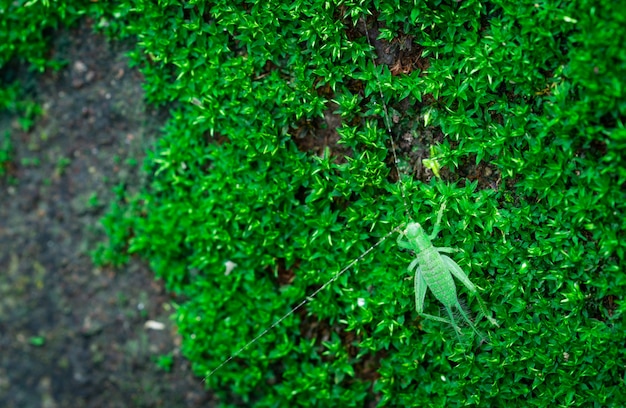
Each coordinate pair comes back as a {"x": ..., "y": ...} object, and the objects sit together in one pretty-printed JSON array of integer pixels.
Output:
[{"x": 275, "y": 171}]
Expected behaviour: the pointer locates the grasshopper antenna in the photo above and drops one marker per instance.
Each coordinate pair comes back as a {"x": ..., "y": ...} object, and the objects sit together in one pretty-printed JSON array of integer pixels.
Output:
[
  {"x": 302, "y": 303},
  {"x": 387, "y": 122}
]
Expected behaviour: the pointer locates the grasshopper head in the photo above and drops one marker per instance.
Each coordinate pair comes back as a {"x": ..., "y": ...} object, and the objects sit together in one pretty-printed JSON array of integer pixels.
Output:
[
  {"x": 417, "y": 237},
  {"x": 413, "y": 230}
]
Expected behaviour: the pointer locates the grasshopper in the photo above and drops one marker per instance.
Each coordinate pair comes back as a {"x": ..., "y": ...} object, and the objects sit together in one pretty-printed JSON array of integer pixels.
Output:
[{"x": 434, "y": 270}]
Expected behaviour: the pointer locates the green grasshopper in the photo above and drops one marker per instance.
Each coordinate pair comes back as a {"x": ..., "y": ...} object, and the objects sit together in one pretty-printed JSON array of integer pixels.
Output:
[{"x": 434, "y": 270}]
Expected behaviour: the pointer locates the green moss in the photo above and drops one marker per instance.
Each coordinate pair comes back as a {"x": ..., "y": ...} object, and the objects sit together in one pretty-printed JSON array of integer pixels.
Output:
[{"x": 523, "y": 106}]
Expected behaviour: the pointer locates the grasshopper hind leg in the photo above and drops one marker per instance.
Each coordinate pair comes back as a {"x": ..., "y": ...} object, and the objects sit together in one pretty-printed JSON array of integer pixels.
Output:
[{"x": 467, "y": 320}]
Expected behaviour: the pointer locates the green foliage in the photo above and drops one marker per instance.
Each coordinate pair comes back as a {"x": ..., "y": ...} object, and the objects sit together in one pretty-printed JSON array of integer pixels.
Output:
[
  {"x": 165, "y": 362},
  {"x": 6, "y": 153},
  {"x": 37, "y": 341},
  {"x": 25, "y": 27},
  {"x": 9, "y": 95},
  {"x": 24, "y": 30},
  {"x": 25, "y": 24},
  {"x": 521, "y": 105}
]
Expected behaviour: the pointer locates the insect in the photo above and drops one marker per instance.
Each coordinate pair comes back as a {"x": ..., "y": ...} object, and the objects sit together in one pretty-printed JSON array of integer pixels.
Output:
[{"x": 434, "y": 271}]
